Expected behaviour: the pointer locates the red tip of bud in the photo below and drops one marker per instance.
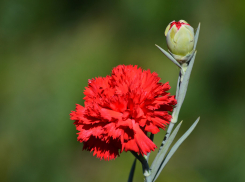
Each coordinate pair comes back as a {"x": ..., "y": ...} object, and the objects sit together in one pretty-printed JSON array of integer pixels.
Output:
[{"x": 177, "y": 24}]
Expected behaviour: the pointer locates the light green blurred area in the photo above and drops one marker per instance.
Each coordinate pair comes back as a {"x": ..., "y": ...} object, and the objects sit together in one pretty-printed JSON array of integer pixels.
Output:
[{"x": 49, "y": 50}]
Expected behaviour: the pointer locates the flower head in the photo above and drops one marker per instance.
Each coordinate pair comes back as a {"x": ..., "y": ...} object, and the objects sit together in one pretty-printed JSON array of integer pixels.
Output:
[
  {"x": 119, "y": 111},
  {"x": 180, "y": 40}
]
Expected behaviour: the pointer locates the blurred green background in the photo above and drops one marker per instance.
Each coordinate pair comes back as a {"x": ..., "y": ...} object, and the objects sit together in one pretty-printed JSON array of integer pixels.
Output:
[{"x": 48, "y": 51}]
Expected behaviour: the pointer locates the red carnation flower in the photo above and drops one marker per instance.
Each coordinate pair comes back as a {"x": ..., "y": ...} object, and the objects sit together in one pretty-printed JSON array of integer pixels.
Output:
[{"x": 119, "y": 111}]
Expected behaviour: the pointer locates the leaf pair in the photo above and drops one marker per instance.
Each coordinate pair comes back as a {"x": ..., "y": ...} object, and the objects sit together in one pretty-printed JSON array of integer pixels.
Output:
[{"x": 161, "y": 159}]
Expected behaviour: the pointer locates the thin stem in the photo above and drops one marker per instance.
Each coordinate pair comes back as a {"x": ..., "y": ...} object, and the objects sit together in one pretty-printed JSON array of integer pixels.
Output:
[
  {"x": 182, "y": 84},
  {"x": 131, "y": 174},
  {"x": 145, "y": 166},
  {"x": 148, "y": 154},
  {"x": 170, "y": 127}
]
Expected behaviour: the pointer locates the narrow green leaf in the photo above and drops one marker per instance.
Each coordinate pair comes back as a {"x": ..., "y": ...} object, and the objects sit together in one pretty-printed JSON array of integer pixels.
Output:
[
  {"x": 131, "y": 174},
  {"x": 185, "y": 82},
  {"x": 196, "y": 36},
  {"x": 175, "y": 147},
  {"x": 160, "y": 156},
  {"x": 168, "y": 56},
  {"x": 183, "y": 89}
]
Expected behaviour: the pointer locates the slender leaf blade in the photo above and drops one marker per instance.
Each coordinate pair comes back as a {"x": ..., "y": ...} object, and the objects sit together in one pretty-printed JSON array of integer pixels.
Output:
[
  {"x": 176, "y": 146},
  {"x": 160, "y": 156},
  {"x": 196, "y": 36},
  {"x": 183, "y": 88},
  {"x": 168, "y": 56}
]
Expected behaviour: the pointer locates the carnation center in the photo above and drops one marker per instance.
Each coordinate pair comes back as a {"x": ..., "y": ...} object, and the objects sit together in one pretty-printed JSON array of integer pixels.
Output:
[{"x": 126, "y": 115}]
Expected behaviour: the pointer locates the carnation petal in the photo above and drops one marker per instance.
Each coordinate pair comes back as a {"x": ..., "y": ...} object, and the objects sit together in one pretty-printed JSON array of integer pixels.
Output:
[{"x": 120, "y": 109}]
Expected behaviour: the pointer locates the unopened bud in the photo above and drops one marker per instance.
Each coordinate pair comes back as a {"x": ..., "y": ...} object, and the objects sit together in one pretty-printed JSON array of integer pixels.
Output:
[{"x": 180, "y": 40}]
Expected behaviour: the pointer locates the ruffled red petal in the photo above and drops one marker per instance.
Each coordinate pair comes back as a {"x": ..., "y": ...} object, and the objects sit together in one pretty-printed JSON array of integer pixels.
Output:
[{"x": 120, "y": 109}]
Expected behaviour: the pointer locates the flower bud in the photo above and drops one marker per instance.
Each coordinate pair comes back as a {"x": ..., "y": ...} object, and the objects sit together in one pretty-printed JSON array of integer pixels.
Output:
[{"x": 180, "y": 40}]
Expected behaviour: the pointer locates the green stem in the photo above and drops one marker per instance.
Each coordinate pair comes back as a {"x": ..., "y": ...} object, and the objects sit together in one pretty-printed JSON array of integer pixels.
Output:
[
  {"x": 170, "y": 127},
  {"x": 145, "y": 166},
  {"x": 148, "y": 154},
  {"x": 131, "y": 174}
]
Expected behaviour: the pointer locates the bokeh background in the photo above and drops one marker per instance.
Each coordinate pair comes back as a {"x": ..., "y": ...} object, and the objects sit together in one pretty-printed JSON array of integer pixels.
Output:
[{"x": 48, "y": 51}]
